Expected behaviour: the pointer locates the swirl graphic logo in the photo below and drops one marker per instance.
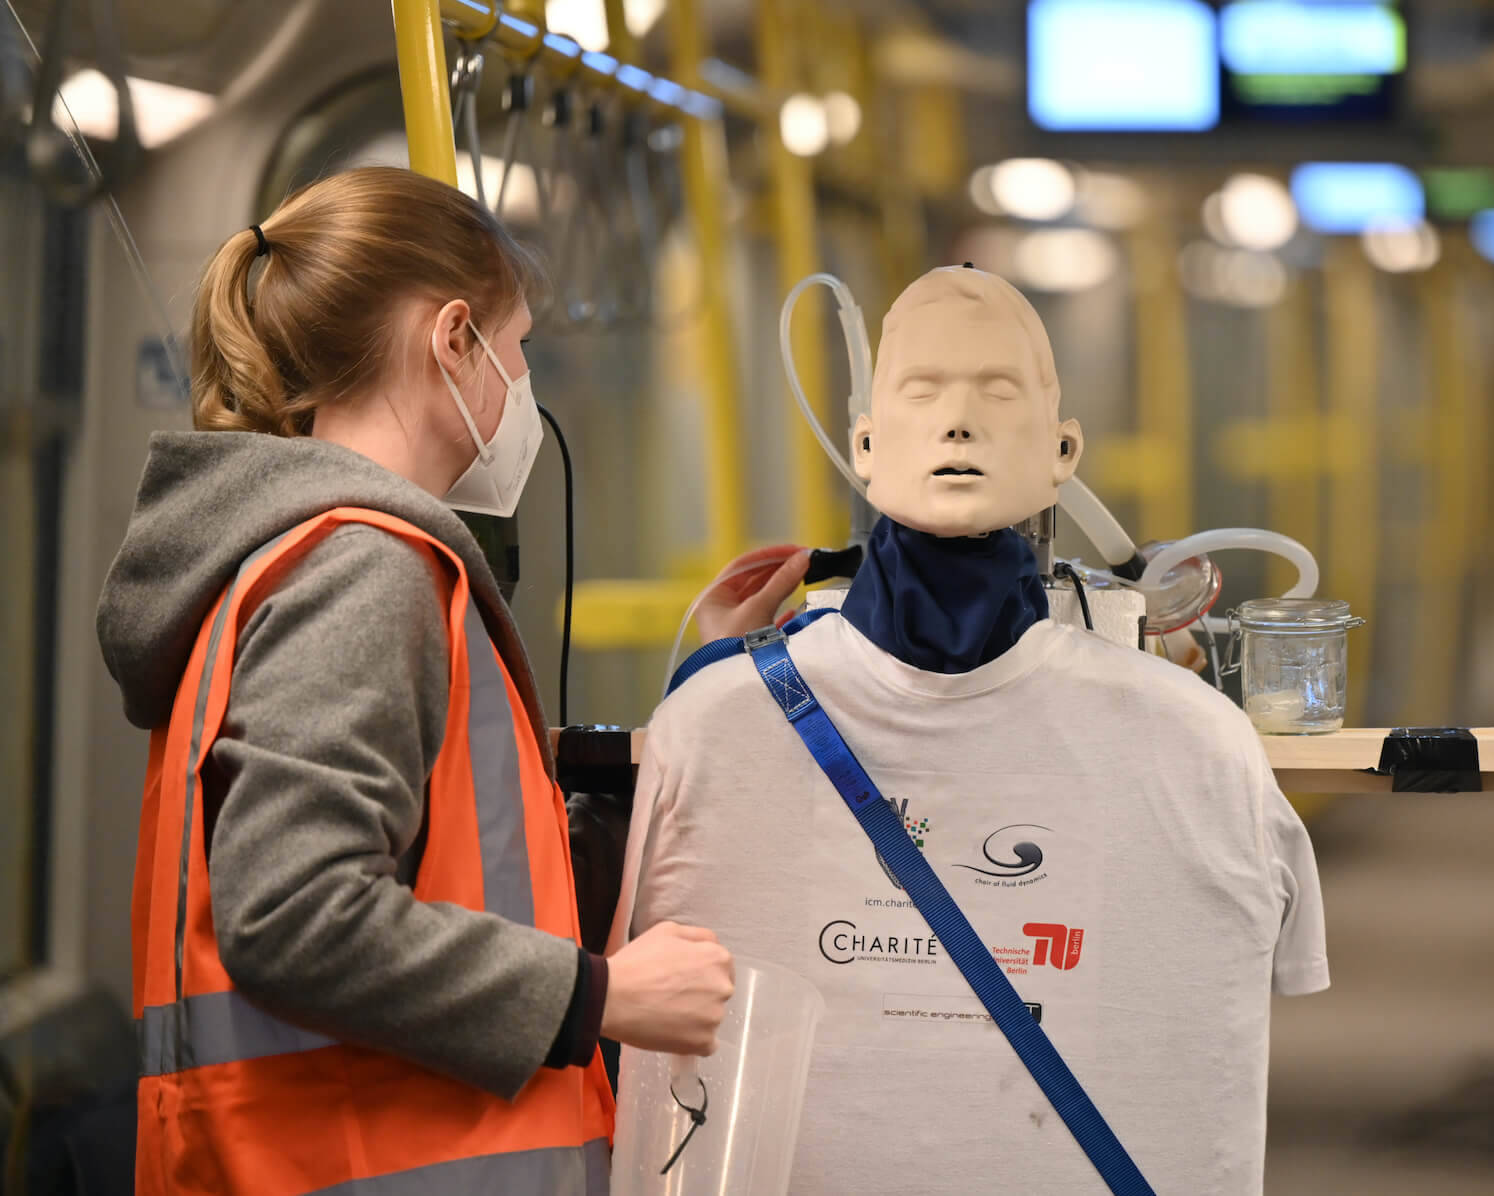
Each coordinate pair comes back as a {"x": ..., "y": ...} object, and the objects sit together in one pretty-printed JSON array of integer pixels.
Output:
[{"x": 1010, "y": 852}]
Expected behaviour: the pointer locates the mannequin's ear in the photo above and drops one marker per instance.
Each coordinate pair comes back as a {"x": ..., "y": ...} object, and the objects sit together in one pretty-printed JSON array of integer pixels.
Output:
[
  {"x": 1070, "y": 448},
  {"x": 861, "y": 447}
]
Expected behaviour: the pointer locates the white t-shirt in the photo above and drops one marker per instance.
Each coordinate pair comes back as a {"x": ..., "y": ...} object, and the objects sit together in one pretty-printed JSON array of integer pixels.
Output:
[{"x": 1111, "y": 828}]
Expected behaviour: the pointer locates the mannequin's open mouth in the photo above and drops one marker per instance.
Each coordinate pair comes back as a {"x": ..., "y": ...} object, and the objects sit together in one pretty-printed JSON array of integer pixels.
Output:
[{"x": 952, "y": 471}]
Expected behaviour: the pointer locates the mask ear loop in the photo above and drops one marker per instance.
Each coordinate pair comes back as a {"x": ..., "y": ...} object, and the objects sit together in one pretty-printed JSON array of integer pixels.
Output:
[
  {"x": 493, "y": 357},
  {"x": 484, "y": 454}
]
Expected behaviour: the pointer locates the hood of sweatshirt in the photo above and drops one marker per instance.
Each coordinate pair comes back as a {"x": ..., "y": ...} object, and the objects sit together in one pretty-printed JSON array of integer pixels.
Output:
[{"x": 209, "y": 499}]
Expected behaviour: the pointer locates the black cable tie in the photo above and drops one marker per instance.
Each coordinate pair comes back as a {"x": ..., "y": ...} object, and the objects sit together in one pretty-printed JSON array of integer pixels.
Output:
[{"x": 697, "y": 1119}]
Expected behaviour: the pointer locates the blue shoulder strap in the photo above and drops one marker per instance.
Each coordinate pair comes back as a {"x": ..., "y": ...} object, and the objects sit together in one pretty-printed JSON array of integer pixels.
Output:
[
  {"x": 734, "y": 646},
  {"x": 770, "y": 653}
]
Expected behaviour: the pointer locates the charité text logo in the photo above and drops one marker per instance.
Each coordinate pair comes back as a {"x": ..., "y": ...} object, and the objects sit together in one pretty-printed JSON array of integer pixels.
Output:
[{"x": 843, "y": 942}]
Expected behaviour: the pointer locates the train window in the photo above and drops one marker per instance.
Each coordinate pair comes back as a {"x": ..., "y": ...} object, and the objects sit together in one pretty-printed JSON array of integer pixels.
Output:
[
  {"x": 41, "y": 365},
  {"x": 335, "y": 132}
]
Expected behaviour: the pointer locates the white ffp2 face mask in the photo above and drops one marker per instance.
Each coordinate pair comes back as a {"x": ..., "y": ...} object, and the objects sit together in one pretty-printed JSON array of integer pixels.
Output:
[{"x": 493, "y": 482}]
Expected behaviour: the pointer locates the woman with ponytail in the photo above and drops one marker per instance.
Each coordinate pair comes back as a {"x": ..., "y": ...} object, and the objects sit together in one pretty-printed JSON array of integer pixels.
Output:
[{"x": 356, "y": 943}]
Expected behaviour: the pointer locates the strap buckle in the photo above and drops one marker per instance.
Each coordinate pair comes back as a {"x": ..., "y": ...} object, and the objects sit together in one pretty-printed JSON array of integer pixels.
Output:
[{"x": 761, "y": 638}]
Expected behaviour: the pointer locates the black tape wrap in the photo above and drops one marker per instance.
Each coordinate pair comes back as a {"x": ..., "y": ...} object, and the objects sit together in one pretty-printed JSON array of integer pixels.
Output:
[
  {"x": 1431, "y": 760},
  {"x": 825, "y": 563},
  {"x": 595, "y": 760}
]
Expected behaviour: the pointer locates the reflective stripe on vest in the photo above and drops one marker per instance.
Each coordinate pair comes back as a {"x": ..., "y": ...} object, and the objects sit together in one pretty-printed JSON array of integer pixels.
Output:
[
  {"x": 493, "y": 746},
  {"x": 194, "y": 757},
  {"x": 233, "y": 1099},
  {"x": 213, "y": 1028},
  {"x": 520, "y": 1172}
]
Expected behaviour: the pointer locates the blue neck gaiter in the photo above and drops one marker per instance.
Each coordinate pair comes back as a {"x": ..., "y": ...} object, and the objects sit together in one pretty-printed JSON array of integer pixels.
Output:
[{"x": 945, "y": 605}]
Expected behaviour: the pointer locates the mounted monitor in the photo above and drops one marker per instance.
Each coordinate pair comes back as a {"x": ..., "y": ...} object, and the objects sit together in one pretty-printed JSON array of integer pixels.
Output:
[
  {"x": 1311, "y": 60},
  {"x": 1122, "y": 65},
  {"x": 1187, "y": 66},
  {"x": 1351, "y": 197}
]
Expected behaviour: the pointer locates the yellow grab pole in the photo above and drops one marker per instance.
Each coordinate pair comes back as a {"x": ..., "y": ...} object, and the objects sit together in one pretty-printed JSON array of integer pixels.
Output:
[
  {"x": 903, "y": 243},
  {"x": 1164, "y": 402},
  {"x": 425, "y": 88},
  {"x": 815, "y": 518},
  {"x": 621, "y": 43},
  {"x": 473, "y": 20},
  {"x": 1354, "y": 525},
  {"x": 1292, "y": 402},
  {"x": 703, "y": 158},
  {"x": 1444, "y": 538},
  {"x": 532, "y": 11}
]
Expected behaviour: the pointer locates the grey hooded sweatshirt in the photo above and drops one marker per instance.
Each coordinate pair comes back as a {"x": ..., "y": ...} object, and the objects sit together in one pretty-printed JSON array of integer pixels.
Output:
[{"x": 314, "y": 794}]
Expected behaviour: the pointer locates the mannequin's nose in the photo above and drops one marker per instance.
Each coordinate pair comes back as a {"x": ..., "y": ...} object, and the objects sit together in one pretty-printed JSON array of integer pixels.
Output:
[{"x": 957, "y": 434}]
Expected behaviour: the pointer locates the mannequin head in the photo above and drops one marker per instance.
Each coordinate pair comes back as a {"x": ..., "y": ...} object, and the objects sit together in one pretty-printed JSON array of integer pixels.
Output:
[{"x": 964, "y": 436}]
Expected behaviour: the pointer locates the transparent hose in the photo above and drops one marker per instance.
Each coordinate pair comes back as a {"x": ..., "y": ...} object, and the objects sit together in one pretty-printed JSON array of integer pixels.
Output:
[
  {"x": 1091, "y": 516},
  {"x": 860, "y": 369},
  {"x": 1236, "y": 537},
  {"x": 679, "y": 637}
]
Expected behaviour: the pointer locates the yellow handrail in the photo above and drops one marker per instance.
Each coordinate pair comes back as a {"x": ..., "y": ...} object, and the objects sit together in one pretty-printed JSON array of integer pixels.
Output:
[
  {"x": 425, "y": 88},
  {"x": 1453, "y": 460},
  {"x": 703, "y": 159},
  {"x": 792, "y": 181},
  {"x": 519, "y": 30},
  {"x": 1352, "y": 566}
]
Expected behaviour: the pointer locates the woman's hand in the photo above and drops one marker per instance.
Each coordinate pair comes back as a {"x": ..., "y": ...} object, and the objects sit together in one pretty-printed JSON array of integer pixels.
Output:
[
  {"x": 738, "y": 604},
  {"x": 667, "y": 990}
]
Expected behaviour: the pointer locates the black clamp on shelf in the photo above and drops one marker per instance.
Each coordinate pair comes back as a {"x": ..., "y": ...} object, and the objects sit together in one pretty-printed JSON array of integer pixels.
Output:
[
  {"x": 1431, "y": 760},
  {"x": 595, "y": 759}
]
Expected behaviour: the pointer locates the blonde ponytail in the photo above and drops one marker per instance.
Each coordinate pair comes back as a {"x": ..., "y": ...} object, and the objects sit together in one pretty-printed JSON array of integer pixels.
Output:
[
  {"x": 315, "y": 323},
  {"x": 235, "y": 385}
]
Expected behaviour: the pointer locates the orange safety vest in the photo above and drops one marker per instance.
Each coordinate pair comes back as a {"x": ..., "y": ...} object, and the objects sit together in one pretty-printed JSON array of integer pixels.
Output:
[{"x": 232, "y": 1100}]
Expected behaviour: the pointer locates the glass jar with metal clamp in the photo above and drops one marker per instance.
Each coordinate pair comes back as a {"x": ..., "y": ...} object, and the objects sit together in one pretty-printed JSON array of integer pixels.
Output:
[{"x": 1293, "y": 658}]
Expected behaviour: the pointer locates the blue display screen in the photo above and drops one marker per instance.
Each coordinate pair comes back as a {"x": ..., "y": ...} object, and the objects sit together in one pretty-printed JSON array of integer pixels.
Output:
[
  {"x": 1311, "y": 60},
  {"x": 1289, "y": 37},
  {"x": 1349, "y": 197},
  {"x": 1190, "y": 66},
  {"x": 1121, "y": 65},
  {"x": 1481, "y": 232}
]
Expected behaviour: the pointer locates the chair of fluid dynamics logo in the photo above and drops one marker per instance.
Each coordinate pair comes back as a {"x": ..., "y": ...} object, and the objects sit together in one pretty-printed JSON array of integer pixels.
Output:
[
  {"x": 917, "y": 828},
  {"x": 1010, "y": 852}
]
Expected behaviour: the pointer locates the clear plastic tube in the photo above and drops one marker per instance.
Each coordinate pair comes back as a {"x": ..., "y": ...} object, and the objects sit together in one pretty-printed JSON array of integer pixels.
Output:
[
  {"x": 1236, "y": 537},
  {"x": 860, "y": 355},
  {"x": 1092, "y": 518},
  {"x": 679, "y": 637}
]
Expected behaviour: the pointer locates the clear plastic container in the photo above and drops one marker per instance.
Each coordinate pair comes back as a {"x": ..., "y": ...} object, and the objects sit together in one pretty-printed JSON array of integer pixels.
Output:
[
  {"x": 753, "y": 1085},
  {"x": 1293, "y": 656}
]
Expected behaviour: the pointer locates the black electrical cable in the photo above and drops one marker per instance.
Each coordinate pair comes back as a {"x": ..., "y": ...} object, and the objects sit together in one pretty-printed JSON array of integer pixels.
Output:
[
  {"x": 1064, "y": 569},
  {"x": 570, "y": 565}
]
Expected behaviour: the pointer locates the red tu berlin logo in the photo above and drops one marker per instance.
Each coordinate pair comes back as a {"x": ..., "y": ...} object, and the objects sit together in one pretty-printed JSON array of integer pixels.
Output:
[{"x": 1065, "y": 944}]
